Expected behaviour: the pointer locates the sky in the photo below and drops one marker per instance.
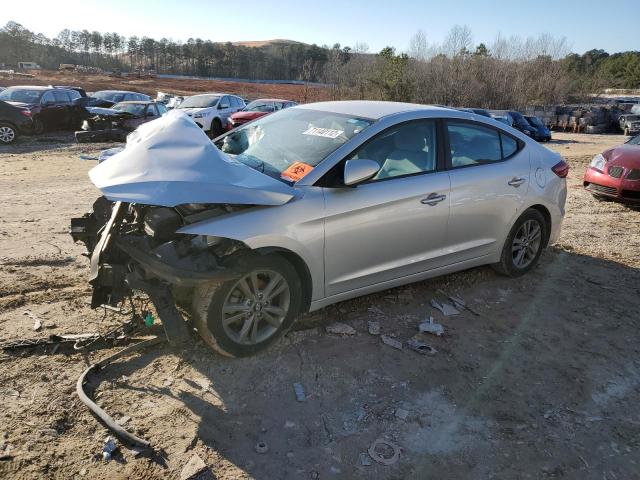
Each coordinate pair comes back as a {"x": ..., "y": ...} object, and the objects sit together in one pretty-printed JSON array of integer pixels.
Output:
[{"x": 586, "y": 24}]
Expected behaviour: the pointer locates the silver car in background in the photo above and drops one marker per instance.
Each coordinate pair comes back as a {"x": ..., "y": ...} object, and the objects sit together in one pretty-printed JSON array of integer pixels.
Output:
[{"x": 310, "y": 206}]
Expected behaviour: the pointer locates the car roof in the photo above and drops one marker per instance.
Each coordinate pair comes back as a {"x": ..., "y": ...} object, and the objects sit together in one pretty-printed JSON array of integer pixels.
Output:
[
  {"x": 120, "y": 91},
  {"x": 272, "y": 100},
  {"x": 138, "y": 102},
  {"x": 371, "y": 109},
  {"x": 32, "y": 87}
]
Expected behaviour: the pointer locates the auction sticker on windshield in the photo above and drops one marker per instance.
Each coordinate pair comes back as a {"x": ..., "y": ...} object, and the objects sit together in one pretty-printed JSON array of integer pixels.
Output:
[
  {"x": 296, "y": 171},
  {"x": 323, "y": 132}
]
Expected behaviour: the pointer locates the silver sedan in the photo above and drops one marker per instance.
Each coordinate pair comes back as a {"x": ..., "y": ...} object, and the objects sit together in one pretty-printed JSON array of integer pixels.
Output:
[{"x": 310, "y": 206}]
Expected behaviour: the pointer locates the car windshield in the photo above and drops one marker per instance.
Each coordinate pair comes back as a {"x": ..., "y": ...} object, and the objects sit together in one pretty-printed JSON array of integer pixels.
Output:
[
  {"x": 200, "y": 101},
  {"x": 535, "y": 121},
  {"x": 21, "y": 95},
  {"x": 290, "y": 143},
  {"x": 634, "y": 140},
  {"x": 132, "y": 108},
  {"x": 260, "y": 106}
]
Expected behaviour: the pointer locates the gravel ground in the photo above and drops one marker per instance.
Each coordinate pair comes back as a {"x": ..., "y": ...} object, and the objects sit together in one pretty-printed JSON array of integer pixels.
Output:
[{"x": 543, "y": 383}]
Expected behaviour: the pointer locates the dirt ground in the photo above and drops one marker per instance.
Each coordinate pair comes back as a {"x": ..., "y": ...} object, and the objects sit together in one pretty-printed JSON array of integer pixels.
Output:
[
  {"x": 151, "y": 86},
  {"x": 544, "y": 383}
]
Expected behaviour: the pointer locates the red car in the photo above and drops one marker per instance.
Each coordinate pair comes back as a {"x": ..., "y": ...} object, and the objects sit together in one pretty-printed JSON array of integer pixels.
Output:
[
  {"x": 256, "y": 109},
  {"x": 615, "y": 173}
]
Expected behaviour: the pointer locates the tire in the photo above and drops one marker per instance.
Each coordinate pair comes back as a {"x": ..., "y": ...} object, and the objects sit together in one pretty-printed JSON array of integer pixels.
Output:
[
  {"x": 38, "y": 126},
  {"x": 528, "y": 234},
  {"x": 273, "y": 319},
  {"x": 626, "y": 132},
  {"x": 8, "y": 133},
  {"x": 216, "y": 128}
]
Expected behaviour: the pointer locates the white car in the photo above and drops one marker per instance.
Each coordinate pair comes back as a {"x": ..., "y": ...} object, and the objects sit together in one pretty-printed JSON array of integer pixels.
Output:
[{"x": 211, "y": 111}]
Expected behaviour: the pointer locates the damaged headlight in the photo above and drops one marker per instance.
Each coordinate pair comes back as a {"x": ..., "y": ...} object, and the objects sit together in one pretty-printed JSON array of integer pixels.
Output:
[
  {"x": 204, "y": 242},
  {"x": 598, "y": 162}
]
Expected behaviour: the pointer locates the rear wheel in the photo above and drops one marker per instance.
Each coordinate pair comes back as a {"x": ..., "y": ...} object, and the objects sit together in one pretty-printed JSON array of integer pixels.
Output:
[
  {"x": 8, "y": 133},
  {"x": 38, "y": 126},
  {"x": 216, "y": 128},
  {"x": 524, "y": 244},
  {"x": 244, "y": 316}
]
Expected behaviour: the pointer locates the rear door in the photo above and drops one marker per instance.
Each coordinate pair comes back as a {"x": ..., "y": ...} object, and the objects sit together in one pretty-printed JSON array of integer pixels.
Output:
[
  {"x": 50, "y": 111},
  {"x": 63, "y": 110},
  {"x": 394, "y": 225},
  {"x": 489, "y": 171}
]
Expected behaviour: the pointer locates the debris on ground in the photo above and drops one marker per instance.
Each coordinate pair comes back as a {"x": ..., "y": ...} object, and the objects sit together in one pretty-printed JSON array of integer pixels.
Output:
[
  {"x": 262, "y": 447},
  {"x": 365, "y": 460},
  {"x": 299, "y": 390},
  {"x": 340, "y": 328},
  {"x": 419, "y": 346},
  {"x": 376, "y": 311},
  {"x": 373, "y": 327},
  {"x": 446, "y": 309},
  {"x": 37, "y": 321},
  {"x": 384, "y": 452},
  {"x": 193, "y": 467},
  {"x": 401, "y": 413},
  {"x": 459, "y": 303},
  {"x": 430, "y": 327},
  {"x": 108, "y": 448},
  {"x": 392, "y": 342}
]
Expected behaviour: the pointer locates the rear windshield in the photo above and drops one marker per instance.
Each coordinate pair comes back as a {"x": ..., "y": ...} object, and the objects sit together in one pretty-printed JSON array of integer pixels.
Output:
[
  {"x": 22, "y": 95},
  {"x": 132, "y": 108},
  {"x": 288, "y": 144}
]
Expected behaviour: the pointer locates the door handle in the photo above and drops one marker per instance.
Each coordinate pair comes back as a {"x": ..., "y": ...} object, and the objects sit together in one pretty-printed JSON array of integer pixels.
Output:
[
  {"x": 433, "y": 199},
  {"x": 516, "y": 181}
]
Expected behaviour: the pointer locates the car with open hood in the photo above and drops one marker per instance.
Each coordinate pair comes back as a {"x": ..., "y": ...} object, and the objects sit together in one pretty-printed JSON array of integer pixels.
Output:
[
  {"x": 310, "y": 206},
  {"x": 256, "y": 109},
  {"x": 615, "y": 173}
]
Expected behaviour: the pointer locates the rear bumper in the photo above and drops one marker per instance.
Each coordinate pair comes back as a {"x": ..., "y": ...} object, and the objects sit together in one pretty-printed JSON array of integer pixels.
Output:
[{"x": 600, "y": 183}]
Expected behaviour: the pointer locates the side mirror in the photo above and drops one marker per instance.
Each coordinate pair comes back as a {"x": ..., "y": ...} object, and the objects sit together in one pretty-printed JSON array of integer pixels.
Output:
[{"x": 357, "y": 171}]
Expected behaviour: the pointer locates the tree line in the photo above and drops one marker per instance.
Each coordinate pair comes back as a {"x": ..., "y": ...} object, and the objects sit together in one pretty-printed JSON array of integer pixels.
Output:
[{"x": 508, "y": 73}]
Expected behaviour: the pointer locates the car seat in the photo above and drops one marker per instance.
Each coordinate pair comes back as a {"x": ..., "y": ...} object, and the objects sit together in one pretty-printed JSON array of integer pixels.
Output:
[{"x": 410, "y": 154}]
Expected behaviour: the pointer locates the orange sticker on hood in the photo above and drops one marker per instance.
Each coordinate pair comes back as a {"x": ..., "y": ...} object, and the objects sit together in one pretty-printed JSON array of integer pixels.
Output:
[{"x": 296, "y": 171}]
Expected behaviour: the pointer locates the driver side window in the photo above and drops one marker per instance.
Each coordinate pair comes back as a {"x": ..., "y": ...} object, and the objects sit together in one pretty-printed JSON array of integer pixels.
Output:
[{"x": 406, "y": 149}]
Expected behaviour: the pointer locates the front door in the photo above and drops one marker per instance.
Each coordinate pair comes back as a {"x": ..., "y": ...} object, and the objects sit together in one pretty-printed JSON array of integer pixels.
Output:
[{"x": 395, "y": 224}]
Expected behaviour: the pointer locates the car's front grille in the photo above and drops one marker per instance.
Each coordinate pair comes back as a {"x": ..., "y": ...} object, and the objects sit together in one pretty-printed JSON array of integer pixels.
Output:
[
  {"x": 594, "y": 187},
  {"x": 634, "y": 174},
  {"x": 616, "y": 172}
]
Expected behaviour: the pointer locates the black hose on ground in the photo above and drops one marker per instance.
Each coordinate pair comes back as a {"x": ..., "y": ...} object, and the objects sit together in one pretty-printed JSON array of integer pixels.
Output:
[{"x": 123, "y": 434}]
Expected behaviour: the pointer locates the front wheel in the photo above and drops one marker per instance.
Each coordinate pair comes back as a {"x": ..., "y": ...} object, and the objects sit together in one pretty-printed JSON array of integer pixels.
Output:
[
  {"x": 8, "y": 133},
  {"x": 216, "y": 128},
  {"x": 523, "y": 246},
  {"x": 245, "y": 316}
]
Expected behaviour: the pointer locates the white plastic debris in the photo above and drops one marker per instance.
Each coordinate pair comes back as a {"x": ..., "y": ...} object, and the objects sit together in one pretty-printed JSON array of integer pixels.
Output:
[
  {"x": 401, "y": 413},
  {"x": 379, "y": 449},
  {"x": 444, "y": 308},
  {"x": 421, "y": 347},
  {"x": 392, "y": 342},
  {"x": 374, "y": 327},
  {"x": 340, "y": 328},
  {"x": 299, "y": 391},
  {"x": 431, "y": 327}
]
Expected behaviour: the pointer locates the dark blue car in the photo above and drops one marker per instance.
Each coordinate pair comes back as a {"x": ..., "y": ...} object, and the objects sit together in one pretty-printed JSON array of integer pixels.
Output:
[{"x": 542, "y": 133}]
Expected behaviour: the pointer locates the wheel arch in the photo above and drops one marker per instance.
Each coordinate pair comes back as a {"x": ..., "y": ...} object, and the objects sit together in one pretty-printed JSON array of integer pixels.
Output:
[
  {"x": 544, "y": 211},
  {"x": 301, "y": 268}
]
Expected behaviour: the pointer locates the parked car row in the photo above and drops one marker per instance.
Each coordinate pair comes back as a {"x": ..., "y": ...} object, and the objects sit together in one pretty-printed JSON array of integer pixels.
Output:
[
  {"x": 530, "y": 125},
  {"x": 111, "y": 114}
]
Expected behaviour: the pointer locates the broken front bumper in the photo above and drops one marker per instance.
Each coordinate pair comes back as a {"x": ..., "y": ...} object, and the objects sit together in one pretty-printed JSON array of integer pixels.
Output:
[{"x": 121, "y": 263}]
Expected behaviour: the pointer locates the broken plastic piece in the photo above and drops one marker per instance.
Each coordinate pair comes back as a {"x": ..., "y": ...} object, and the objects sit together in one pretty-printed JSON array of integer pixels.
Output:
[
  {"x": 374, "y": 327},
  {"x": 421, "y": 347},
  {"x": 262, "y": 447},
  {"x": 392, "y": 342},
  {"x": 299, "y": 390},
  {"x": 444, "y": 308},
  {"x": 430, "y": 327},
  {"x": 148, "y": 319},
  {"x": 379, "y": 457},
  {"x": 109, "y": 447},
  {"x": 340, "y": 328}
]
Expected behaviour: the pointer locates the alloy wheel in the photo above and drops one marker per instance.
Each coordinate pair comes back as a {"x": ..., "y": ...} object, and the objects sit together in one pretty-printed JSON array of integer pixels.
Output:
[
  {"x": 7, "y": 135},
  {"x": 526, "y": 243},
  {"x": 256, "y": 307}
]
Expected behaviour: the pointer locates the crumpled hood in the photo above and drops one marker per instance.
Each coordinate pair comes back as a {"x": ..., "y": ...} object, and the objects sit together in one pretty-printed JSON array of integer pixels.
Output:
[
  {"x": 170, "y": 161},
  {"x": 105, "y": 111},
  {"x": 627, "y": 156}
]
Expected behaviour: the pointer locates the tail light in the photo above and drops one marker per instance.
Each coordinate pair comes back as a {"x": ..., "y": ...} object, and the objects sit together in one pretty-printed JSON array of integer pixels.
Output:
[
  {"x": 561, "y": 169},
  {"x": 26, "y": 113}
]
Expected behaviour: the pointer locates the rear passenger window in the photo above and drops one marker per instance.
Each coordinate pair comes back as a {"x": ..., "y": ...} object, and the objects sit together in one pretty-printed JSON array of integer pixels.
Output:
[
  {"x": 61, "y": 96},
  {"x": 509, "y": 146},
  {"x": 473, "y": 144}
]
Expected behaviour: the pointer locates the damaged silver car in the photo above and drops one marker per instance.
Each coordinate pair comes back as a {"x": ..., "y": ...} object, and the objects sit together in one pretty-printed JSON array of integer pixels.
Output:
[{"x": 310, "y": 206}]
